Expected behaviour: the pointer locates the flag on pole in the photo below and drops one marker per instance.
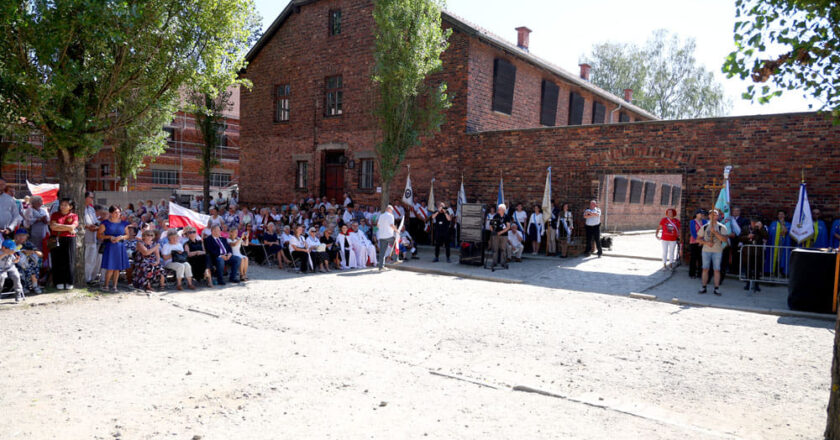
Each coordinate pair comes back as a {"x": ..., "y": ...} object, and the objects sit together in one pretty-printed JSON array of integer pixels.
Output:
[
  {"x": 462, "y": 198},
  {"x": 180, "y": 217},
  {"x": 501, "y": 197},
  {"x": 47, "y": 191},
  {"x": 396, "y": 247},
  {"x": 802, "y": 226},
  {"x": 546, "y": 201},
  {"x": 408, "y": 195},
  {"x": 724, "y": 205},
  {"x": 431, "y": 204}
]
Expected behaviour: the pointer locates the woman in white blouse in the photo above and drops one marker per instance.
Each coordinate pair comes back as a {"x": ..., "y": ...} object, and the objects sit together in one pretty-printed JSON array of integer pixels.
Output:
[
  {"x": 535, "y": 229},
  {"x": 320, "y": 258},
  {"x": 299, "y": 249},
  {"x": 175, "y": 259},
  {"x": 236, "y": 243}
]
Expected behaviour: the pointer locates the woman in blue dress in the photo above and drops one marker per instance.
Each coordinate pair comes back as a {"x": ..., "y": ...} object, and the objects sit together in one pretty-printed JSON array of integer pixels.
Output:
[{"x": 113, "y": 232}]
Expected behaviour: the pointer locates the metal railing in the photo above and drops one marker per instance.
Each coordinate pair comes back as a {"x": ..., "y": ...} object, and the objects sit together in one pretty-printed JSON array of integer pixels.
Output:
[{"x": 765, "y": 263}]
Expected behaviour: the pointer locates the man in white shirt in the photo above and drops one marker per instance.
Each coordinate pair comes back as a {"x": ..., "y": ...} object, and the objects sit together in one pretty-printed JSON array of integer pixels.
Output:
[
  {"x": 385, "y": 234},
  {"x": 516, "y": 241},
  {"x": 593, "y": 227},
  {"x": 10, "y": 216},
  {"x": 92, "y": 257},
  {"x": 348, "y": 214}
]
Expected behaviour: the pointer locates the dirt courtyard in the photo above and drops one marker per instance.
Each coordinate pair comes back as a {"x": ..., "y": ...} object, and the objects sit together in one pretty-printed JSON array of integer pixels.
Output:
[{"x": 405, "y": 355}]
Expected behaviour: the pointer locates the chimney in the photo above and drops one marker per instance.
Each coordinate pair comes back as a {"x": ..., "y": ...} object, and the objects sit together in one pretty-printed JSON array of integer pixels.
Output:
[
  {"x": 522, "y": 39},
  {"x": 584, "y": 71},
  {"x": 628, "y": 95}
]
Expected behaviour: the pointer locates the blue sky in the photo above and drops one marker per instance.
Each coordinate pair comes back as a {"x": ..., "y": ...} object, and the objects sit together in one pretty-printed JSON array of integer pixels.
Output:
[{"x": 564, "y": 30}]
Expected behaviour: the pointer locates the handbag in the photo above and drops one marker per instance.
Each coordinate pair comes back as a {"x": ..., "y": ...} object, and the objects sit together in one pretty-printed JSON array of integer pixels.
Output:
[
  {"x": 179, "y": 257},
  {"x": 52, "y": 242}
]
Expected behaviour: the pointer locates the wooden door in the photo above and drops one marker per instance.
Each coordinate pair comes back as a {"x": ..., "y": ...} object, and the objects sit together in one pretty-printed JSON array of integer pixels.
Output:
[{"x": 334, "y": 181}]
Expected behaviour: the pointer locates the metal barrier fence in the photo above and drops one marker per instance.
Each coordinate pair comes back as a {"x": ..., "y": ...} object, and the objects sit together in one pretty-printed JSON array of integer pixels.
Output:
[{"x": 765, "y": 263}]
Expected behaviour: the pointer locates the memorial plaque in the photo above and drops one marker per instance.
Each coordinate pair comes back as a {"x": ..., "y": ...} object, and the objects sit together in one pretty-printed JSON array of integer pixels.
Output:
[{"x": 472, "y": 222}]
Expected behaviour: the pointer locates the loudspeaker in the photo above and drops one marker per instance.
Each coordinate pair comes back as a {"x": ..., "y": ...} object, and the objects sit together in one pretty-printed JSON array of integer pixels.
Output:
[{"x": 811, "y": 286}]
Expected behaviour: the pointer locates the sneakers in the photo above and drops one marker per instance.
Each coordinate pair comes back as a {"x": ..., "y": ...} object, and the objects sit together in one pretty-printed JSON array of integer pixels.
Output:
[
  {"x": 37, "y": 290},
  {"x": 716, "y": 292},
  {"x": 435, "y": 260},
  {"x": 448, "y": 260},
  {"x": 60, "y": 286},
  {"x": 702, "y": 290}
]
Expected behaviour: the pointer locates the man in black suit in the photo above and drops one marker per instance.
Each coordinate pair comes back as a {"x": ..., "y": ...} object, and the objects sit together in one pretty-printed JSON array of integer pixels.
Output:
[{"x": 221, "y": 255}]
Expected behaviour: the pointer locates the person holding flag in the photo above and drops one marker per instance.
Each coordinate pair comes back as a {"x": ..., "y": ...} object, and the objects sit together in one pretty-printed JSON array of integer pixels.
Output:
[
  {"x": 835, "y": 234},
  {"x": 548, "y": 216},
  {"x": 802, "y": 226},
  {"x": 385, "y": 233},
  {"x": 778, "y": 255},
  {"x": 821, "y": 238}
]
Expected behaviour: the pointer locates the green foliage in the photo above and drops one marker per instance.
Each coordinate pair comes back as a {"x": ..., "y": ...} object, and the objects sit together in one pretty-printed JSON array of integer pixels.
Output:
[
  {"x": 663, "y": 74},
  {"x": 210, "y": 121},
  {"x": 409, "y": 44},
  {"x": 788, "y": 45},
  {"x": 143, "y": 139}
]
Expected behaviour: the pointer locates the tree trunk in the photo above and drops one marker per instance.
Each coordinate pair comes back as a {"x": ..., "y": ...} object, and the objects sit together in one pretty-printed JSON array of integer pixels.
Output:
[
  {"x": 206, "y": 176},
  {"x": 71, "y": 178},
  {"x": 386, "y": 195},
  {"x": 832, "y": 428}
]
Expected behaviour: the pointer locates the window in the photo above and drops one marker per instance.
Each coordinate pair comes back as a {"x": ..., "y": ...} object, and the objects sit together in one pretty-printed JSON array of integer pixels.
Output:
[
  {"x": 548, "y": 112},
  {"x": 221, "y": 136},
  {"x": 623, "y": 117},
  {"x": 665, "y": 198},
  {"x": 504, "y": 78},
  {"x": 650, "y": 192},
  {"x": 282, "y": 93},
  {"x": 366, "y": 174},
  {"x": 636, "y": 191},
  {"x": 620, "y": 191},
  {"x": 105, "y": 170},
  {"x": 675, "y": 195},
  {"x": 164, "y": 177},
  {"x": 170, "y": 134},
  {"x": 576, "y": 103},
  {"x": 219, "y": 179},
  {"x": 598, "y": 113},
  {"x": 335, "y": 21},
  {"x": 300, "y": 174},
  {"x": 334, "y": 96},
  {"x": 21, "y": 177}
]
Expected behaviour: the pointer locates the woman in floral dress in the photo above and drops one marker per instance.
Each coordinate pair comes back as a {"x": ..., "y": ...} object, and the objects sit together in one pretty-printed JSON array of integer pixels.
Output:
[{"x": 147, "y": 265}]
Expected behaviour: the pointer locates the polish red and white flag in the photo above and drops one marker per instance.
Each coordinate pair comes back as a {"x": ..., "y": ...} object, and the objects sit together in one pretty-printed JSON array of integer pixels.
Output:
[
  {"x": 180, "y": 217},
  {"x": 47, "y": 191}
]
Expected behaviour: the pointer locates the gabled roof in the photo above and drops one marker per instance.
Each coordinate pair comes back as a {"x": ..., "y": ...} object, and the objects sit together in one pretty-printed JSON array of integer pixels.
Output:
[{"x": 478, "y": 32}]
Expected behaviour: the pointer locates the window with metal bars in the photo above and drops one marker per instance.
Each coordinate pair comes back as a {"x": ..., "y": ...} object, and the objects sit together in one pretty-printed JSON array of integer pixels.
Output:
[
  {"x": 165, "y": 177},
  {"x": 335, "y": 22},
  {"x": 219, "y": 179},
  {"x": 300, "y": 174},
  {"x": 282, "y": 95},
  {"x": 366, "y": 174},
  {"x": 334, "y": 96}
]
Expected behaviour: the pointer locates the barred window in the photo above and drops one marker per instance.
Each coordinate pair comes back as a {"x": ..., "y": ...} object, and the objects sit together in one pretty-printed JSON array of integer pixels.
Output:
[
  {"x": 334, "y": 96},
  {"x": 366, "y": 174},
  {"x": 335, "y": 21},
  {"x": 219, "y": 179},
  {"x": 282, "y": 95},
  {"x": 300, "y": 174},
  {"x": 165, "y": 177}
]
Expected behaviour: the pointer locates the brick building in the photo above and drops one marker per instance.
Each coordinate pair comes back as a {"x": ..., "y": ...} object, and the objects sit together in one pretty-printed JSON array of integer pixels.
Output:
[
  {"x": 308, "y": 117},
  {"x": 177, "y": 168},
  {"x": 307, "y": 127}
]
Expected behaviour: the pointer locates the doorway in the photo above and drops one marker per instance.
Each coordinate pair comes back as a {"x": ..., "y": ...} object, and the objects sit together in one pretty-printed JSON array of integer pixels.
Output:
[{"x": 333, "y": 172}]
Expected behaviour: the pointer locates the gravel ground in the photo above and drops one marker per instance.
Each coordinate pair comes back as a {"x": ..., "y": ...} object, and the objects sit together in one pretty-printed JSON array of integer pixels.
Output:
[{"x": 406, "y": 355}]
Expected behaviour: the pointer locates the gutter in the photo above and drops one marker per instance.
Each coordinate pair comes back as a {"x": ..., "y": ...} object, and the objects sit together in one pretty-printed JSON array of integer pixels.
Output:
[{"x": 612, "y": 113}]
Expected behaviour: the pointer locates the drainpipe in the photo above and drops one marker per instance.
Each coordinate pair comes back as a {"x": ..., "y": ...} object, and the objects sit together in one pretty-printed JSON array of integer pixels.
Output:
[{"x": 612, "y": 113}]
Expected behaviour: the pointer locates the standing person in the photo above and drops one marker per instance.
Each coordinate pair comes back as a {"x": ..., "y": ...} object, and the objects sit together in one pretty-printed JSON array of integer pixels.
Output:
[
  {"x": 821, "y": 238},
  {"x": 668, "y": 232},
  {"x": 37, "y": 220},
  {"x": 385, "y": 230},
  {"x": 757, "y": 236},
  {"x": 10, "y": 216},
  {"x": 441, "y": 220},
  {"x": 835, "y": 234},
  {"x": 713, "y": 237},
  {"x": 592, "y": 217},
  {"x": 520, "y": 218},
  {"x": 731, "y": 255},
  {"x": 565, "y": 228},
  {"x": 694, "y": 247},
  {"x": 499, "y": 226},
  {"x": 536, "y": 223},
  {"x": 64, "y": 223},
  {"x": 551, "y": 230},
  {"x": 91, "y": 246},
  {"x": 113, "y": 232},
  {"x": 778, "y": 254}
]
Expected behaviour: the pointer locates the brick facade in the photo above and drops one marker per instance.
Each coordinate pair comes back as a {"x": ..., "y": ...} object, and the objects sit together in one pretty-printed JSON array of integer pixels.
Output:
[
  {"x": 622, "y": 212},
  {"x": 298, "y": 51}
]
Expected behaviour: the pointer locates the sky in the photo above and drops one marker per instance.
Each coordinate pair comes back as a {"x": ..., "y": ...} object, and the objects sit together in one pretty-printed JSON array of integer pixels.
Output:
[{"x": 564, "y": 30}]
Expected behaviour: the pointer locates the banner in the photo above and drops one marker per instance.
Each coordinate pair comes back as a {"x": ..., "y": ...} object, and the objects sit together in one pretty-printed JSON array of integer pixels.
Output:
[
  {"x": 408, "y": 194},
  {"x": 802, "y": 226},
  {"x": 47, "y": 191},
  {"x": 462, "y": 198},
  {"x": 431, "y": 204},
  {"x": 180, "y": 217},
  {"x": 546, "y": 201},
  {"x": 500, "y": 199}
]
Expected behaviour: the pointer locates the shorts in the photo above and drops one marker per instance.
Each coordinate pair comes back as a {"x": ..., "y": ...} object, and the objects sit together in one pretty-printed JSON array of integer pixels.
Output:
[{"x": 712, "y": 259}]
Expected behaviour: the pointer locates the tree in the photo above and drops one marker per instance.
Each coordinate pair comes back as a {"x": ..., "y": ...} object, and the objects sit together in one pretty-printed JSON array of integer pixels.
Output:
[
  {"x": 144, "y": 139},
  {"x": 663, "y": 74},
  {"x": 409, "y": 43},
  {"x": 210, "y": 121},
  {"x": 79, "y": 70},
  {"x": 790, "y": 44}
]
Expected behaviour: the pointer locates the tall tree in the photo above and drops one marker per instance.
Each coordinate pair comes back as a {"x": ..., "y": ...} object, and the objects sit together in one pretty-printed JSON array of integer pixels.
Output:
[
  {"x": 79, "y": 70},
  {"x": 409, "y": 43},
  {"x": 210, "y": 121},
  {"x": 788, "y": 45},
  {"x": 664, "y": 75},
  {"x": 143, "y": 140}
]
